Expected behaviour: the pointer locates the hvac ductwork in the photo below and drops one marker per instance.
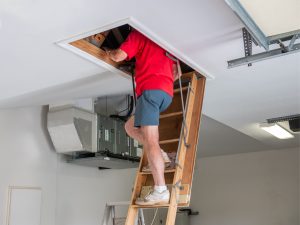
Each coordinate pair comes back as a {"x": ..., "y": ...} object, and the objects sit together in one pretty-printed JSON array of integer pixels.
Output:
[{"x": 72, "y": 129}]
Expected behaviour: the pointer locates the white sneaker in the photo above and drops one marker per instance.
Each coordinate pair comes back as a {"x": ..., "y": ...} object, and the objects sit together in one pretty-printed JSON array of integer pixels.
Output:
[{"x": 154, "y": 198}]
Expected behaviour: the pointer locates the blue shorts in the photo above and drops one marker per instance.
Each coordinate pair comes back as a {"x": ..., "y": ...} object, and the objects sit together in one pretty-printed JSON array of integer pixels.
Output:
[{"x": 148, "y": 107}]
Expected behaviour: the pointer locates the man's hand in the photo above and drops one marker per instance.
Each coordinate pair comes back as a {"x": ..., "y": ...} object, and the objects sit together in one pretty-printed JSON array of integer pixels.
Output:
[
  {"x": 175, "y": 71},
  {"x": 116, "y": 55}
]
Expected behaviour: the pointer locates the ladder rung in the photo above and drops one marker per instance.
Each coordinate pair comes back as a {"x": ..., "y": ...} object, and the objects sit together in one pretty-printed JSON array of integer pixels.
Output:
[
  {"x": 169, "y": 141},
  {"x": 177, "y": 90},
  {"x": 167, "y": 115},
  {"x": 166, "y": 171},
  {"x": 151, "y": 206}
]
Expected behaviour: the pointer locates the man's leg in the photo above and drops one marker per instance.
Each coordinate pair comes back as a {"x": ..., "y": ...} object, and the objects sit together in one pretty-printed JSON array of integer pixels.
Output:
[
  {"x": 149, "y": 137},
  {"x": 154, "y": 155},
  {"x": 147, "y": 118},
  {"x": 160, "y": 193},
  {"x": 133, "y": 131}
]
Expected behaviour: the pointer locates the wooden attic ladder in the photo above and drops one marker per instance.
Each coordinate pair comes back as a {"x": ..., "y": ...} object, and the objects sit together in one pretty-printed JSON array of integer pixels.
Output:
[{"x": 175, "y": 137}]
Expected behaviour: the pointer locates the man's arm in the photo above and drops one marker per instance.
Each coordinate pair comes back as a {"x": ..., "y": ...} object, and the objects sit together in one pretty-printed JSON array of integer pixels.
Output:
[
  {"x": 175, "y": 71},
  {"x": 116, "y": 55}
]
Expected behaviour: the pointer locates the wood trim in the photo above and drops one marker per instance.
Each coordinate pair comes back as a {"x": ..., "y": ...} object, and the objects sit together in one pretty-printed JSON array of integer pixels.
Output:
[{"x": 94, "y": 51}]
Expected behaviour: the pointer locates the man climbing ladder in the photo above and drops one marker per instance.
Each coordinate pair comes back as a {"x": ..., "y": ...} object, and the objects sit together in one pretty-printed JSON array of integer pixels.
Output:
[{"x": 154, "y": 75}]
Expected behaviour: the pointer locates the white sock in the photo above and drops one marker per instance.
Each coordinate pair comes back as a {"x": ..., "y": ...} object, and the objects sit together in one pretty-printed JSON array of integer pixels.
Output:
[{"x": 160, "y": 189}]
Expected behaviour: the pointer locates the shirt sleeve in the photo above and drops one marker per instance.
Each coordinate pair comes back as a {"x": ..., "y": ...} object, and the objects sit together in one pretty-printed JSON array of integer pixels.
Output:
[{"x": 132, "y": 44}]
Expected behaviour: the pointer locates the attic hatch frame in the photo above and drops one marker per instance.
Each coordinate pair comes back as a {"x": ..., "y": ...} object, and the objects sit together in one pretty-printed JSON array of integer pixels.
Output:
[
  {"x": 255, "y": 34},
  {"x": 132, "y": 22}
]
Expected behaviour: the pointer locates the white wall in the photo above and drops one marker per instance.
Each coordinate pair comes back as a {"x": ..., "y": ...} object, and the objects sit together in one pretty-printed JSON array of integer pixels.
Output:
[
  {"x": 260, "y": 188},
  {"x": 83, "y": 192},
  {"x": 27, "y": 158}
]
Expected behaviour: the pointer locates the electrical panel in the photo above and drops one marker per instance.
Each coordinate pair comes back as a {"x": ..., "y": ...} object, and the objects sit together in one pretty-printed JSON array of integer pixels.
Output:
[
  {"x": 135, "y": 148},
  {"x": 121, "y": 146},
  {"x": 112, "y": 138},
  {"x": 92, "y": 139},
  {"x": 106, "y": 134}
]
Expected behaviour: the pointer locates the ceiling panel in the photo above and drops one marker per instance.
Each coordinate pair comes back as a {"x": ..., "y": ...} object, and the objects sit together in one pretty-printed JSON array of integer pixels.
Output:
[{"x": 274, "y": 17}]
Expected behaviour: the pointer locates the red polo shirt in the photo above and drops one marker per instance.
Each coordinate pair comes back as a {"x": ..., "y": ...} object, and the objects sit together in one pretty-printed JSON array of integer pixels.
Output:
[{"x": 153, "y": 69}]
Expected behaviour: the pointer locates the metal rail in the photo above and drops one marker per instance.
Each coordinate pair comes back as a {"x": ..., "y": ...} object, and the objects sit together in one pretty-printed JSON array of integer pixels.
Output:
[{"x": 263, "y": 56}]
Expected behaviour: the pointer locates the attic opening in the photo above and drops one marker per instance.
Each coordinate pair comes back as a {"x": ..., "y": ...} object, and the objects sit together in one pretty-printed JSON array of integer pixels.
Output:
[{"x": 96, "y": 44}]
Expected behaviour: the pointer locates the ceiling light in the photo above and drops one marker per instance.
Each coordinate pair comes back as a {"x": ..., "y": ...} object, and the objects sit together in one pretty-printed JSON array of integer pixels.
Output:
[
  {"x": 276, "y": 130},
  {"x": 293, "y": 122}
]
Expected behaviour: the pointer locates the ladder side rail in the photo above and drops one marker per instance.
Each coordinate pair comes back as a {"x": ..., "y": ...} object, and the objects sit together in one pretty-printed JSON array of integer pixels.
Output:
[
  {"x": 181, "y": 157},
  {"x": 184, "y": 129},
  {"x": 133, "y": 211},
  {"x": 194, "y": 137}
]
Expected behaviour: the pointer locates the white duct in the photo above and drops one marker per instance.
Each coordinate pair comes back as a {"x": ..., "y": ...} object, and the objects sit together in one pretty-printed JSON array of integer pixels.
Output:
[{"x": 72, "y": 129}]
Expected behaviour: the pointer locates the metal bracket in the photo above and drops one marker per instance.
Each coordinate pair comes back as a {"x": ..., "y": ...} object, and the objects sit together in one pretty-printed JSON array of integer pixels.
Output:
[
  {"x": 192, "y": 90},
  {"x": 247, "y": 39},
  {"x": 283, "y": 118},
  {"x": 180, "y": 187},
  {"x": 262, "y": 56},
  {"x": 292, "y": 42},
  {"x": 258, "y": 37},
  {"x": 171, "y": 57},
  {"x": 252, "y": 27},
  {"x": 177, "y": 184},
  {"x": 282, "y": 46}
]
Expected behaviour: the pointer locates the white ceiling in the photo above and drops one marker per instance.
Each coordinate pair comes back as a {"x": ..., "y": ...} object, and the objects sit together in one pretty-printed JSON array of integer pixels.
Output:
[
  {"x": 218, "y": 139},
  {"x": 265, "y": 15},
  {"x": 34, "y": 70}
]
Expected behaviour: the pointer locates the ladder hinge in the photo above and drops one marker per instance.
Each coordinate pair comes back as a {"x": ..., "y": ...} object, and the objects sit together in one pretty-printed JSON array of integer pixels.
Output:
[{"x": 178, "y": 185}]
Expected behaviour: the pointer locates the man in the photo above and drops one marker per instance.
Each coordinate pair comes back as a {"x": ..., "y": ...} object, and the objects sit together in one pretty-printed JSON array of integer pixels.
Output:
[{"x": 154, "y": 77}]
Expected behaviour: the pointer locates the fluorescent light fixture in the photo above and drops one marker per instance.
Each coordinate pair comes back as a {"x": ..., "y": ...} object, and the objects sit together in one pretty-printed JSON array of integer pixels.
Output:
[{"x": 276, "y": 130}]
